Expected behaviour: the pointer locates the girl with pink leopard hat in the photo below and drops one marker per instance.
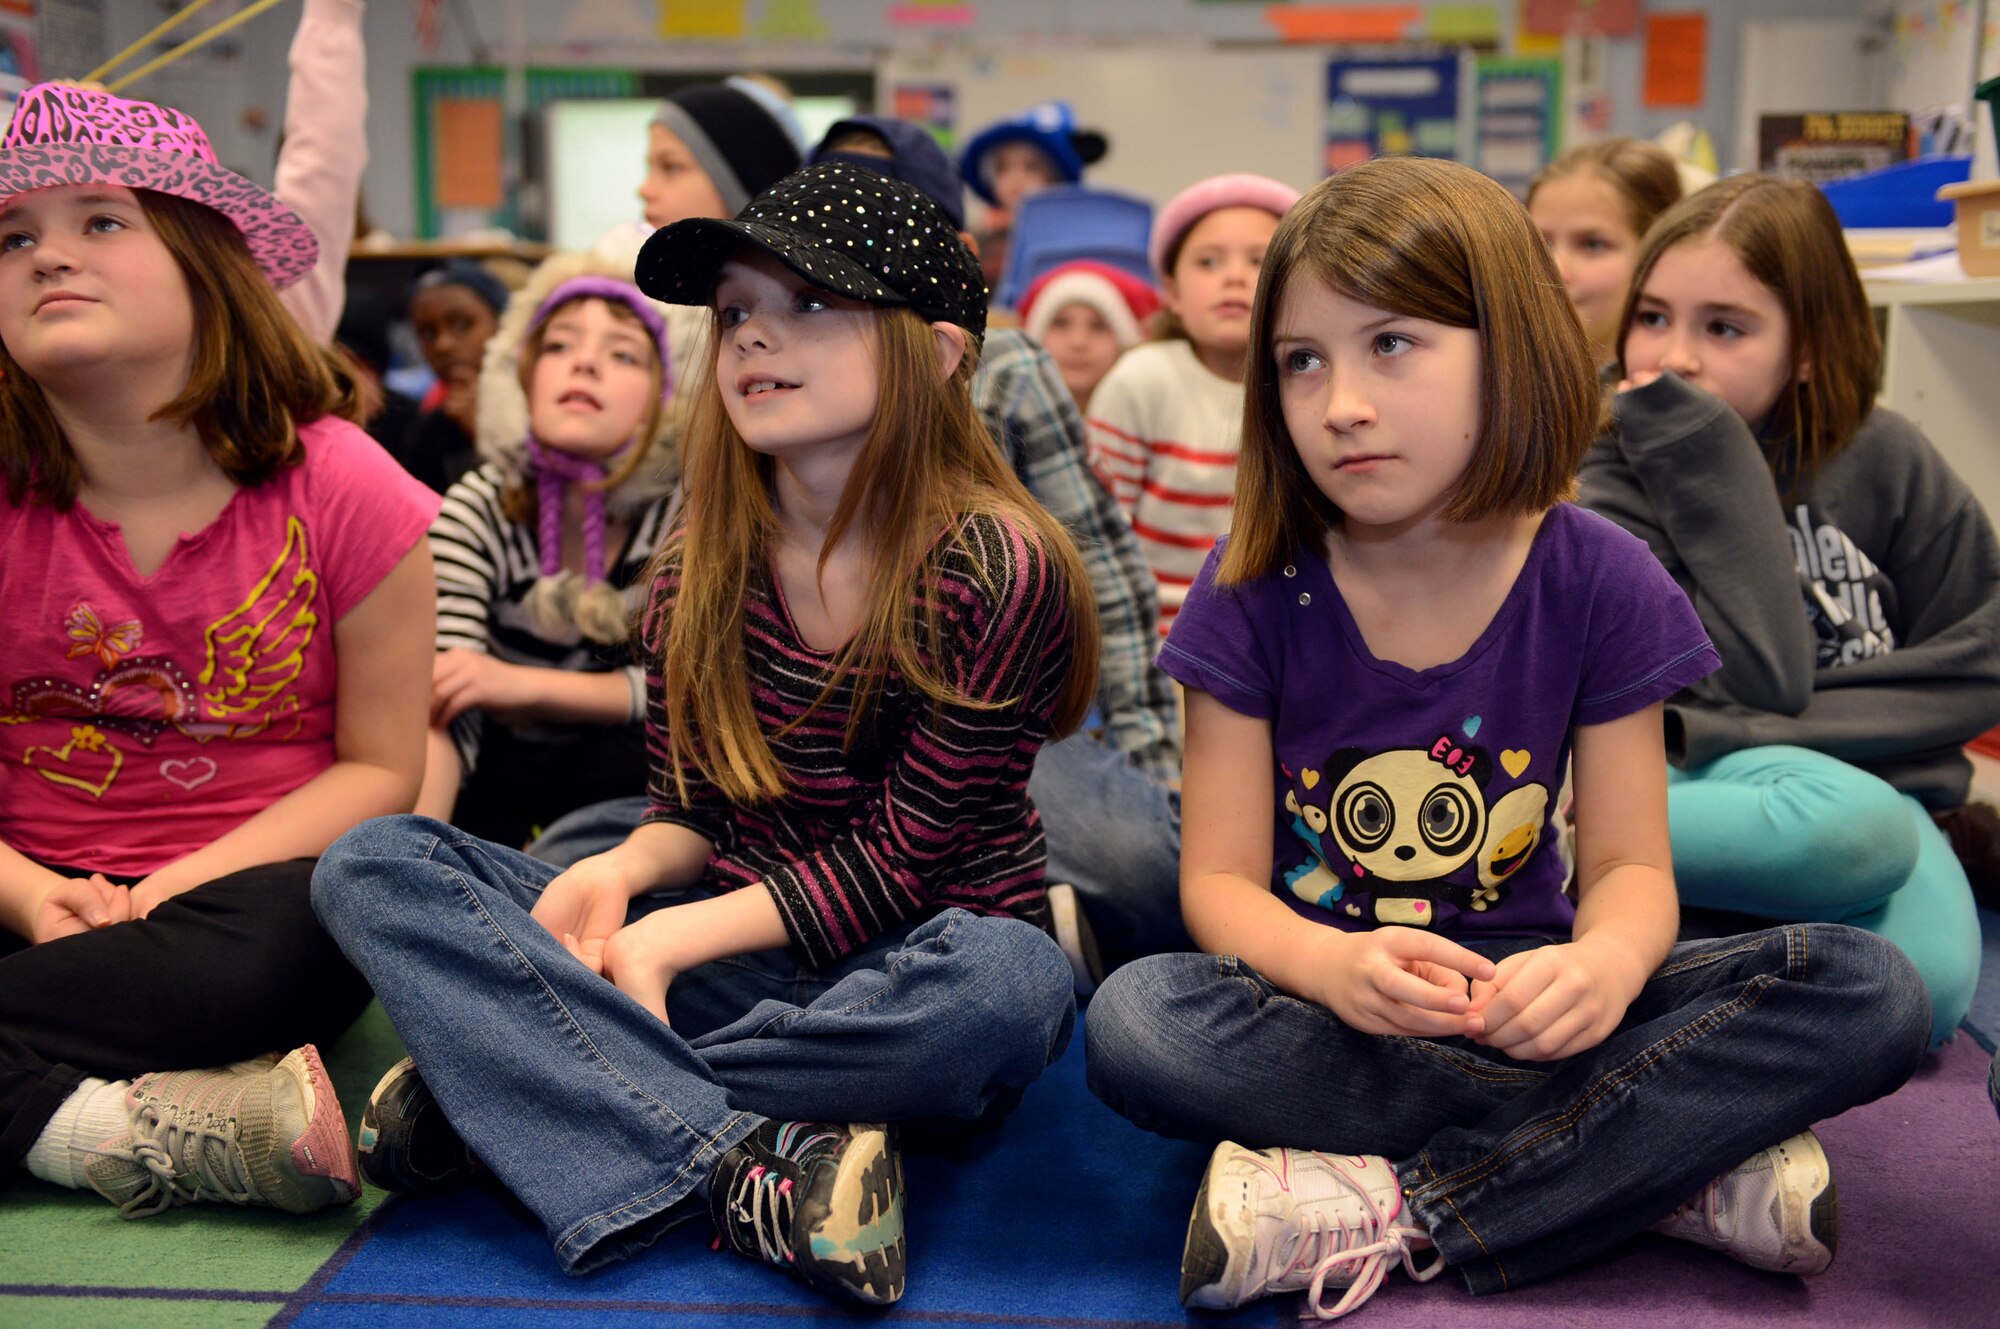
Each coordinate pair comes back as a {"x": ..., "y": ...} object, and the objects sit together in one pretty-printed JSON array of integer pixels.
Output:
[
  {"x": 1165, "y": 422},
  {"x": 216, "y": 616}
]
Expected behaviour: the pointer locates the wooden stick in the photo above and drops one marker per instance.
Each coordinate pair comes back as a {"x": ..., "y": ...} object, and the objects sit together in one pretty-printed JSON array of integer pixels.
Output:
[
  {"x": 192, "y": 43},
  {"x": 140, "y": 45}
]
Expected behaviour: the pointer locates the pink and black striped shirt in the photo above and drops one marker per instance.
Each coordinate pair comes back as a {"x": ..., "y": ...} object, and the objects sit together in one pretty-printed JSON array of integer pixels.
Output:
[{"x": 929, "y": 809}]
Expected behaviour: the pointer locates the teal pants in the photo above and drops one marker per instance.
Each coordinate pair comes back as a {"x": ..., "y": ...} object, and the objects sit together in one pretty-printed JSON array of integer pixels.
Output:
[{"x": 1800, "y": 837}]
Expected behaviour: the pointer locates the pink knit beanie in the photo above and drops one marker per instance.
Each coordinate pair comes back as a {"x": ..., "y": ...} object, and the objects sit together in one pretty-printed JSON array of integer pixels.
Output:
[{"x": 1189, "y": 206}]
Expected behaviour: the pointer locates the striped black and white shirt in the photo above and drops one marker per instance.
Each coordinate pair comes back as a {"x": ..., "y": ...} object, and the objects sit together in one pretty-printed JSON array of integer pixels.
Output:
[{"x": 486, "y": 565}]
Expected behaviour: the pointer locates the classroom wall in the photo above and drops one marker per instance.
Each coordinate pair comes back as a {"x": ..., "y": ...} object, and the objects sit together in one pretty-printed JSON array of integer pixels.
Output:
[{"x": 625, "y": 33}]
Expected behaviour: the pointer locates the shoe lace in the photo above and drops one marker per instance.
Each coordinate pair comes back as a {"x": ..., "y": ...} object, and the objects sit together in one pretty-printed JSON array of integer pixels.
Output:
[
  {"x": 1367, "y": 1247},
  {"x": 1705, "y": 1204},
  {"x": 763, "y": 1200},
  {"x": 186, "y": 1162},
  {"x": 1371, "y": 1263}
]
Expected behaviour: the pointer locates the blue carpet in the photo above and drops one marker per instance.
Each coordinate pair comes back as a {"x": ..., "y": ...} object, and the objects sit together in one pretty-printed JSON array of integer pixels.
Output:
[
  {"x": 1068, "y": 1215},
  {"x": 1036, "y": 1223}
]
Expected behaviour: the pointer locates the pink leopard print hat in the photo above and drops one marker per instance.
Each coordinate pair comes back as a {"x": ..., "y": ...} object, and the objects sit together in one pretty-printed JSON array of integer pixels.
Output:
[{"x": 64, "y": 135}]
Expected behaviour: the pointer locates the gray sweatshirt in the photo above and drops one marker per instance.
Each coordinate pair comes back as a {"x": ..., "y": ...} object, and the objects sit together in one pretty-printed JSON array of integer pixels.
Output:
[{"x": 1858, "y": 617}]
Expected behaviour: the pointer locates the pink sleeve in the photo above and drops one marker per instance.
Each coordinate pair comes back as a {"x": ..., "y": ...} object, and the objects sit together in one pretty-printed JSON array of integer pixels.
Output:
[
  {"x": 364, "y": 511},
  {"x": 326, "y": 148}
]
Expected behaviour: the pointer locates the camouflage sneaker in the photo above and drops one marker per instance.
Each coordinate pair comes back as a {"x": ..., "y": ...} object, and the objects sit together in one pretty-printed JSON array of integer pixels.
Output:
[{"x": 822, "y": 1201}]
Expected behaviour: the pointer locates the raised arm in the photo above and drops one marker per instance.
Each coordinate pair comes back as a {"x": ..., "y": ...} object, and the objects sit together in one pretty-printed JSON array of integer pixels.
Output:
[{"x": 324, "y": 153}]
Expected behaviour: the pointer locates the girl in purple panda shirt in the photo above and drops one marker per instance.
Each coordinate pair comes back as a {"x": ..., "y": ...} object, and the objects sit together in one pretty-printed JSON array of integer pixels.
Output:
[{"x": 1405, "y": 1035}]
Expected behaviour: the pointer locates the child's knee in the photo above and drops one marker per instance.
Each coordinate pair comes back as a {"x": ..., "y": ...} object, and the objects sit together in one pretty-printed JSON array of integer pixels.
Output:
[
  {"x": 1859, "y": 838},
  {"x": 1889, "y": 999},
  {"x": 353, "y": 867}
]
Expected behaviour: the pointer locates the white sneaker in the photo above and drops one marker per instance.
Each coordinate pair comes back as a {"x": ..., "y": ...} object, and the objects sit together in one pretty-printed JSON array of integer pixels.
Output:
[
  {"x": 1776, "y": 1210},
  {"x": 1278, "y": 1220},
  {"x": 1078, "y": 942}
]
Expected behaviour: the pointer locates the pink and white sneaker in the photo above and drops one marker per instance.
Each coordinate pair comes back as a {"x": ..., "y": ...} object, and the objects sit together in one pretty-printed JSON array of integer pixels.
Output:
[
  {"x": 265, "y": 1132},
  {"x": 1282, "y": 1220}
]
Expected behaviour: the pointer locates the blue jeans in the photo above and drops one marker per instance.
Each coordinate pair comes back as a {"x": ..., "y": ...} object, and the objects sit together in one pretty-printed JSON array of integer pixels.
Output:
[
  {"x": 1519, "y": 1169},
  {"x": 605, "y": 1122},
  {"x": 1113, "y": 831},
  {"x": 1796, "y": 836},
  {"x": 1115, "y": 834}
]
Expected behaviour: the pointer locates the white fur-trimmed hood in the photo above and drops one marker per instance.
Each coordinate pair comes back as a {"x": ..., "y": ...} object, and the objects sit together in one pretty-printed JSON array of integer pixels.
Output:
[{"x": 503, "y": 404}]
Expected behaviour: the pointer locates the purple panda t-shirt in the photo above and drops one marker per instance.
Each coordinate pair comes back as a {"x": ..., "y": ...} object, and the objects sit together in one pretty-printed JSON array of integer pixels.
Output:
[{"x": 1425, "y": 797}]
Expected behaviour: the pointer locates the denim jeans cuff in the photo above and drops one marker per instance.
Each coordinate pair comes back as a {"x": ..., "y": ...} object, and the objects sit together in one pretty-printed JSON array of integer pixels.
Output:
[
  {"x": 1450, "y": 1233},
  {"x": 612, "y": 1235}
]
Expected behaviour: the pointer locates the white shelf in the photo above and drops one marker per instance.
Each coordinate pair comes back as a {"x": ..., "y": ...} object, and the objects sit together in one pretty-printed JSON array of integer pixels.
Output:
[{"x": 1941, "y": 368}]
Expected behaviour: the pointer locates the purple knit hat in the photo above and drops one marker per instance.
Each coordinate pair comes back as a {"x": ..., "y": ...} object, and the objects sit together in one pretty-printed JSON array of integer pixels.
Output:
[
  {"x": 555, "y": 471},
  {"x": 63, "y": 135}
]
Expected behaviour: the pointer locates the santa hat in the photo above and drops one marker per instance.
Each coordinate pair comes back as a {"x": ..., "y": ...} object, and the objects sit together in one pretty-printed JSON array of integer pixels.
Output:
[{"x": 1124, "y": 301}]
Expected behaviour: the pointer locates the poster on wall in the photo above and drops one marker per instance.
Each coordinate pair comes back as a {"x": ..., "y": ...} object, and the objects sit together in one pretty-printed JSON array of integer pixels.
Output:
[
  {"x": 1396, "y": 107},
  {"x": 932, "y": 105},
  {"x": 1516, "y": 118}
]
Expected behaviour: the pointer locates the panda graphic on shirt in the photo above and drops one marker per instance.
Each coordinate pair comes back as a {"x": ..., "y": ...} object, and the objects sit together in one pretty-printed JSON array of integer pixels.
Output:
[{"x": 1408, "y": 835}]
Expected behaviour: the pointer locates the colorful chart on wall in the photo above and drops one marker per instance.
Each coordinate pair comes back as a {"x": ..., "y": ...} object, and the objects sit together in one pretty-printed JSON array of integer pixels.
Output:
[
  {"x": 1396, "y": 107},
  {"x": 1515, "y": 125},
  {"x": 932, "y": 105},
  {"x": 458, "y": 156}
]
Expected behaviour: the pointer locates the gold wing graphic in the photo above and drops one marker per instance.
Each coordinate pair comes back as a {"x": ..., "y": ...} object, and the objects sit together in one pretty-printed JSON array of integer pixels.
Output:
[{"x": 258, "y": 649}]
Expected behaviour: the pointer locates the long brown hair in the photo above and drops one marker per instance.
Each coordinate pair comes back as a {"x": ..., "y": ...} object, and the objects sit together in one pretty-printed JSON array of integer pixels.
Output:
[
  {"x": 1434, "y": 240},
  {"x": 254, "y": 376},
  {"x": 926, "y": 465},
  {"x": 1788, "y": 237}
]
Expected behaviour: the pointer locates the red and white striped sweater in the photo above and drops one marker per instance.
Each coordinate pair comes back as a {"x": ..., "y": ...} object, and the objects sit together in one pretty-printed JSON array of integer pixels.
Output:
[{"x": 1164, "y": 434}]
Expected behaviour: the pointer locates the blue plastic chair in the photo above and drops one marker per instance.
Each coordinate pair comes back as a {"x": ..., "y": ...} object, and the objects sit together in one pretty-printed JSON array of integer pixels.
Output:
[{"x": 1065, "y": 223}]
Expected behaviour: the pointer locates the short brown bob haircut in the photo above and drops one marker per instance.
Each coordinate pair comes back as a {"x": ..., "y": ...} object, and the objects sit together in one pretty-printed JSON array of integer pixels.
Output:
[
  {"x": 1428, "y": 239},
  {"x": 1788, "y": 237},
  {"x": 254, "y": 376}
]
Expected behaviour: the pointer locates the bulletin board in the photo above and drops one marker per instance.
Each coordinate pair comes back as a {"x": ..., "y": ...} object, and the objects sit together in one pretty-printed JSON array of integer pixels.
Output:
[
  {"x": 464, "y": 140},
  {"x": 1517, "y": 120}
]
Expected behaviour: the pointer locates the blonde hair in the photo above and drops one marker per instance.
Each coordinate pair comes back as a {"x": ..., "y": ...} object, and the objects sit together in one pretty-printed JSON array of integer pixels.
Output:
[
  {"x": 253, "y": 375},
  {"x": 926, "y": 465},
  {"x": 1434, "y": 240},
  {"x": 1641, "y": 174},
  {"x": 1788, "y": 237}
]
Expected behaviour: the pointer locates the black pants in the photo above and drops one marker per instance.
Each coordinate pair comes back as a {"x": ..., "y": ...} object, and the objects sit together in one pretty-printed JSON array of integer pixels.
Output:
[
  {"x": 229, "y": 970},
  {"x": 522, "y": 785}
]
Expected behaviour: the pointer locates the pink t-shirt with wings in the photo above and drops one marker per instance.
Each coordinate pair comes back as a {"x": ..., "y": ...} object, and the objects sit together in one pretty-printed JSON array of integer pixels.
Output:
[{"x": 142, "y": 717}]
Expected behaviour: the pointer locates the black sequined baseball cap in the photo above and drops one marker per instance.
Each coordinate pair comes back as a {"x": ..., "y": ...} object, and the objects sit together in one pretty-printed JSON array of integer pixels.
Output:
[{"x": 844, "y": 229}]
